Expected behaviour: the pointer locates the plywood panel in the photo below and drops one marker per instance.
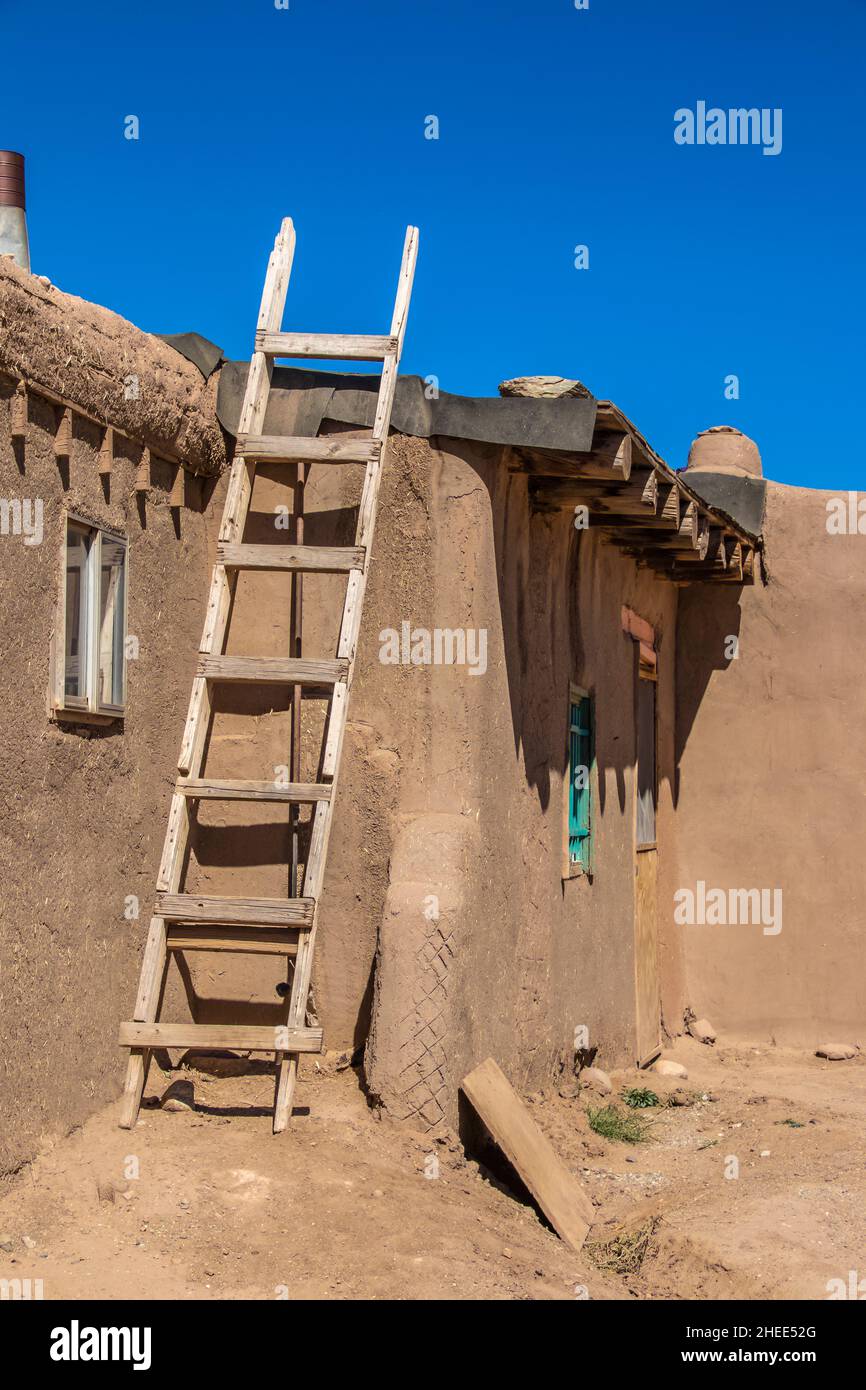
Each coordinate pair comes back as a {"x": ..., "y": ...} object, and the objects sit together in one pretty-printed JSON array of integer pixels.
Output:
[{"x": 560, "y": 1196}]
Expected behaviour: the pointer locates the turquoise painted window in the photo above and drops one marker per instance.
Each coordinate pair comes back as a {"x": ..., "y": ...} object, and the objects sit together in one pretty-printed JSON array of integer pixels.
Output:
[{"x": 580, "y": 756}]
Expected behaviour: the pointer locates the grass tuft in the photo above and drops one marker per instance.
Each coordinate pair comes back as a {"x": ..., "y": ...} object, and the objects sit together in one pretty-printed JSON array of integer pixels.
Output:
[{"x": 612, "y": 1123}]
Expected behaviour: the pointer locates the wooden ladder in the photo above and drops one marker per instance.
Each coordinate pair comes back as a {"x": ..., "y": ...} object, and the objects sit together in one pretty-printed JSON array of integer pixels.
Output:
[{"x": 282, "y": 926}]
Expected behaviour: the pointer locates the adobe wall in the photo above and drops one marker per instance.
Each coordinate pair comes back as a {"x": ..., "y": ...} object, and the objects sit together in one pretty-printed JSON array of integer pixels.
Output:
[
  {"x": 771, "y": 786},
  {"x": 84, "y": 807},
  {"x": 446, "y": 931},
  {"x": 517, "y": 959}
]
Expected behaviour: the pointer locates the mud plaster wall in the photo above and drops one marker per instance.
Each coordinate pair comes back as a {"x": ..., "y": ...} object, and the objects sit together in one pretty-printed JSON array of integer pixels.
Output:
[
  {"x": 516, "y": 959},
  {"x": 84, "y": 809},
  {"x": 773, "y": 747}
]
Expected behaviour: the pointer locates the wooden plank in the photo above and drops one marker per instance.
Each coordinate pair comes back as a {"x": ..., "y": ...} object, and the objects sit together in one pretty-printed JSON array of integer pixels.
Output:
[
  {"x": 226, "y": 912},
  {"x": 153, "y": 968},
  {"x": 106, "y": 453},
  {"x": 333, "y": 448},
  {"x": 609, "y": 459},
  {"x": 349, "y": 347},
  {"x": 18, "y": 412},
  {"x": 221, "y": 1035},
  {"x": 559, "y": 1194},
  {"x": 648, "y": 1011},
  {"x": 142, "y": 472},
  {"x": 63, "y": 437},
  {"x": 214, "y": 789},
  {"x": 272, "y": 670},
  {"x": 177, "y": 495},
  {"x": 322, "y": 559},
  {"x": 268, "y": 941}
]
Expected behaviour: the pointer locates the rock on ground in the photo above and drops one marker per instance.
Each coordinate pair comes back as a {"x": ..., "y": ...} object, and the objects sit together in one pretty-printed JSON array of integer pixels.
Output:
[
  {"x": 666, "y": 1067},
  {"x": 836, "y": 1052},
  {"x": 702, "y": 1029},
  {"x": 597, "y": 1080}
]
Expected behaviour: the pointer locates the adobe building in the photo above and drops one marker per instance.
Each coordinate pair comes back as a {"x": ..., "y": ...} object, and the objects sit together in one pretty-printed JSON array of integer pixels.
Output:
[{"x": 586, "y": 683}]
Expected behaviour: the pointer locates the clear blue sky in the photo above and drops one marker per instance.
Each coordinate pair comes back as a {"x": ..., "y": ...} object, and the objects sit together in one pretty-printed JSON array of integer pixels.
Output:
[{"x": 556, "y": 129}]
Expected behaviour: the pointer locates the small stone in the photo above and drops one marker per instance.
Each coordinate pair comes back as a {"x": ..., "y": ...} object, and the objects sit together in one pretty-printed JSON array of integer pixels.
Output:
[
  {"x": 105, "y": 1190},
  {"x": 703, "y": 1030},
  {"x": 377, "y": 1192},
  {"x": 6, "y": 1243},
  {"x": 30, "y": 1244},
  {"x": 836, "y": 1052},
  {"x": 179, "y": 1096},
  {"x": 666, "y": 1067},
  {"x": 507, "y": 1252},
  {"x": 765, "y": 1153},
  {"x": 630, "y": 1159},
  {"x": 597, "y": 1080},
  {"x": 569, "y": 1090},
  {"x": 680, "y": 1097}
]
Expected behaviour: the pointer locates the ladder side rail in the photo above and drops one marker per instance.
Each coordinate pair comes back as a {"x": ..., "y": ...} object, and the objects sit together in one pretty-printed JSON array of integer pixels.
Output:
[
  {"x": 287, "y": 1067},
  {"x": 155, "y": 960},
  {"x": 238, "y": 496}
]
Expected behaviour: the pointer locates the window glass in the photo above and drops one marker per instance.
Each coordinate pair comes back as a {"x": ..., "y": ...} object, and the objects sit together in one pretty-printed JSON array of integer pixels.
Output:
[
  {"x": 112, "y": 583},
  {"x": 94, "y": 665},
  {"x": 579, "y": 765}
]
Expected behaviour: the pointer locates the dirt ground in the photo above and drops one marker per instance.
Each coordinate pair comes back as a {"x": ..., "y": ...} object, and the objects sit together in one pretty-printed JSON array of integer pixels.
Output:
[{"x": 342, "y": 1207}]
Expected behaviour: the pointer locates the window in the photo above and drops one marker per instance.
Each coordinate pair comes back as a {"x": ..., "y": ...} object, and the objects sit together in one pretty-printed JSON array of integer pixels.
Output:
[
  {"x": 91, "y": 660},
  {"x": 645, "y": 826},
  {"x": 580, "y": 762}
]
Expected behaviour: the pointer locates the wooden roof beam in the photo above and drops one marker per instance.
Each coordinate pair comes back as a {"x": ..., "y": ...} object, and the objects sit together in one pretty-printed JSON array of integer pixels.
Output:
[{"x": 609, "y": 460}]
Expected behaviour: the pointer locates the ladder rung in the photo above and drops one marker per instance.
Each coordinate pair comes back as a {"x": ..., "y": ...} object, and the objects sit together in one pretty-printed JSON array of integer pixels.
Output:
[
  {"x": 326, "y": 559},
  {"x": 220, "y": 1035},
  {"x": 262, "y": 941},
  {"x": 350, "y": 347},
  {"x": 333, "y": 448},
  {"x": 273, "y": 670},
  {"x": 229, "y": 912},
  {"x": 212, "y": 789}
]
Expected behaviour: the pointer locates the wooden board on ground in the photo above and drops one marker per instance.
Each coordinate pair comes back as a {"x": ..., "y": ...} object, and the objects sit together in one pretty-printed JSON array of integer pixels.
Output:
[{"x": 560, "y": 1196}]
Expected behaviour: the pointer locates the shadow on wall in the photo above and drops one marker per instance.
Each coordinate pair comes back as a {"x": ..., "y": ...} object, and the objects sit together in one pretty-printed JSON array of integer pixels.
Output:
[
  {"x": 719, "y": 626},
  {"x": 543, "y": 608}
]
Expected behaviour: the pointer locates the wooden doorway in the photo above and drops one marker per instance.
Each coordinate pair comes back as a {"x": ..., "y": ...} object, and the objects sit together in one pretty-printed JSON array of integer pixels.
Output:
[{"x": 648, "y": 1000}]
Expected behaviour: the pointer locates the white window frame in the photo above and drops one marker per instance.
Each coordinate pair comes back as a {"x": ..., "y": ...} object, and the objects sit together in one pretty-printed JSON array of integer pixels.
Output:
[{"x": 88, "y": 706}]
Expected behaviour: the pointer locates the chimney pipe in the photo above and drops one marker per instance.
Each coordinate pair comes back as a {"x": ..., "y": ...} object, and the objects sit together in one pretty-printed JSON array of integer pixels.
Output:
[{"x": 13, "y": 220}]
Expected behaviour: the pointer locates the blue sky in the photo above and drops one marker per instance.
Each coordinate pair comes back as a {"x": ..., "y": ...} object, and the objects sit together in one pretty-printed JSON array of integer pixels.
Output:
[{"x": 555, "y": 130}]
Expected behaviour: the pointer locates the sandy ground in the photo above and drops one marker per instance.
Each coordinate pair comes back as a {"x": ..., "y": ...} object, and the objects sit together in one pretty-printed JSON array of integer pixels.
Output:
[{"x": 341, "y": 1206}]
